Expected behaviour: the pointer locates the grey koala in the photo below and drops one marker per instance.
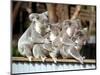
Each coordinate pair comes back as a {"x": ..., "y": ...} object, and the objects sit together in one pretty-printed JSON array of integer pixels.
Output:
[
  {"x": 32, "y": 35},
  {"x": 69, "y": 51},
  {"x": 54, "y": 33},
  {"x": 63, "y": 42}
]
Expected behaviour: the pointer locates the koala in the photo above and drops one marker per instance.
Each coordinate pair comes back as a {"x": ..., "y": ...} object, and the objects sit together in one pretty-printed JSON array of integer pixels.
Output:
[
  {"x": 59, "y": 37},
  {"x": 47, "y": 48},
  {"x": 55, "y": 43},
  {"x": 64, "y": 44},
  {"x": 34, "y": 34},
  {"x": 73, "y": 51}
]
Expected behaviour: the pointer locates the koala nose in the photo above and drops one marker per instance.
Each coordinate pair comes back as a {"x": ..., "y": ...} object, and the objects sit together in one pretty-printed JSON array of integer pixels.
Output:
[{"x": 33, "y": 22}]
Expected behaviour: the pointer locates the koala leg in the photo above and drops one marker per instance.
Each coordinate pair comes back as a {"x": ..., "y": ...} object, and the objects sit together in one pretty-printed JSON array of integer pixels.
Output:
[
  {"x": 28, "y": 53},
  {"x": 54, "y": 55},
  {"x": 75, "y": 54},
  {"x": 29, "y": 58},
  {"x": 25, "y": 50},
  {"x": 64, "y": 52},
  {"x": 39, "y": 52},
  {"x": 43, "y": 58}
]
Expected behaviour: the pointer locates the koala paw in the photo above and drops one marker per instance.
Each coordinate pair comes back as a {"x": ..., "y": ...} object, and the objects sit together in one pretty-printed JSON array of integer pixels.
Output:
[
  {"x": 43, "y": 58},
  {"x": 53, "y": 57},
  {"x": 29, "y": 58}
]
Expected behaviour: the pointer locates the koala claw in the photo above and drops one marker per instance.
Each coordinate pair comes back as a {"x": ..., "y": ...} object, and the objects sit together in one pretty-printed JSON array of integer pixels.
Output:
[
  {"x": 53, "y": 57},
  {"x": 75, "y": 54},
  {"x": 43, "y": 58},
  {"x": 29, "y": 58},
  {"x": 81, "y": 60},
  {"x": 55, "y": 60}
]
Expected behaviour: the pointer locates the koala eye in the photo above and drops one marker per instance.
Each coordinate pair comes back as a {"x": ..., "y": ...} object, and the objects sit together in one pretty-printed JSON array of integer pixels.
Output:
[
  {"x": 32, "y": 17},
  {"x": 37, "y": 17},
  {"x": 47, "y": 16}
]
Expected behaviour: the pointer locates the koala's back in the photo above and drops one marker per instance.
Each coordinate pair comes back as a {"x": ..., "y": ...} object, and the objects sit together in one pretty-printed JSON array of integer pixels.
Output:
[{"x": 25, "y": 35}]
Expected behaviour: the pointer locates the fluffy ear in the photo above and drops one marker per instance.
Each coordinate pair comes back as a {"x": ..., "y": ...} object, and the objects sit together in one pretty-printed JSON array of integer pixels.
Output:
[
  {"x": 85, "y": 30},
  {"x": 69, "y": 31},
  {"x": 32, "y": 16},
  {"x": 44, "y": 15}
]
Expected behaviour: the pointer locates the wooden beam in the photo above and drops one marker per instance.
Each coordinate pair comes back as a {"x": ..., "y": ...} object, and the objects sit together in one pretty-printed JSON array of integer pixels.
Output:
[
  {"x": 52, "y": 13},
  {"x": 23, "y": 59}
]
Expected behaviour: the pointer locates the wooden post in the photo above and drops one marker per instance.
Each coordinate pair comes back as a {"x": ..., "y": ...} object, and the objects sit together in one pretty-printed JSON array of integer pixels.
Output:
[
  {"x": 62, "y": 12},
  {"x": 52, "y": 13}
]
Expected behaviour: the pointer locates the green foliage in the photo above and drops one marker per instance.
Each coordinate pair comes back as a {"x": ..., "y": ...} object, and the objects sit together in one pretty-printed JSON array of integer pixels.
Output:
[
  {"x": 15, "y": 52},
  {"x": 27, "y": 24}
]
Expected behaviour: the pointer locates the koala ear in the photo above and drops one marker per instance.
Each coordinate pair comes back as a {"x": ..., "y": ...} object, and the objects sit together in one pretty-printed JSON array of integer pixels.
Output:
[
  {"x": 45, "y": 13},
  {"x": 32, "y": 16},
  {"x": 44, "y": 16},
  {"x": 85, "y": 30}
]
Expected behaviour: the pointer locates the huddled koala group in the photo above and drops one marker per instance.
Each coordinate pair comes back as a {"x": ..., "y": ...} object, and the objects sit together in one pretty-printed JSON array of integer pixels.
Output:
[{"x": 43, "y": 40}]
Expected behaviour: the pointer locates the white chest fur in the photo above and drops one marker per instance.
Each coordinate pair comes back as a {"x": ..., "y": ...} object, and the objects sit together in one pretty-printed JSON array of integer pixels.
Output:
[
  {"x": 38, "y": 26},
  {"x": 69, "y": 31},
  {"x": 52, "y": 37}
]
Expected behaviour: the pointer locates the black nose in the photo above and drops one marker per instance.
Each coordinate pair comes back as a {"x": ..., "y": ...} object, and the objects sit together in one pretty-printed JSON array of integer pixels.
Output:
[
  {"x": 76, "y": 44},
  {"x": 33, "y": 22}
]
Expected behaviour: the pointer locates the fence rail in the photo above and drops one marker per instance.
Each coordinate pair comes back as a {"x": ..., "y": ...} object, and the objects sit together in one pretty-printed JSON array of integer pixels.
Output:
[{"x": 23, "y": 59}]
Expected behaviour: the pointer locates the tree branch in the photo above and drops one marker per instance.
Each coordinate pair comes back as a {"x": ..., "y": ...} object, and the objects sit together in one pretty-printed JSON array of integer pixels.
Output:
[
  {"x": 76, "y": 13},
  {"x": 52, "y": 13}
]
